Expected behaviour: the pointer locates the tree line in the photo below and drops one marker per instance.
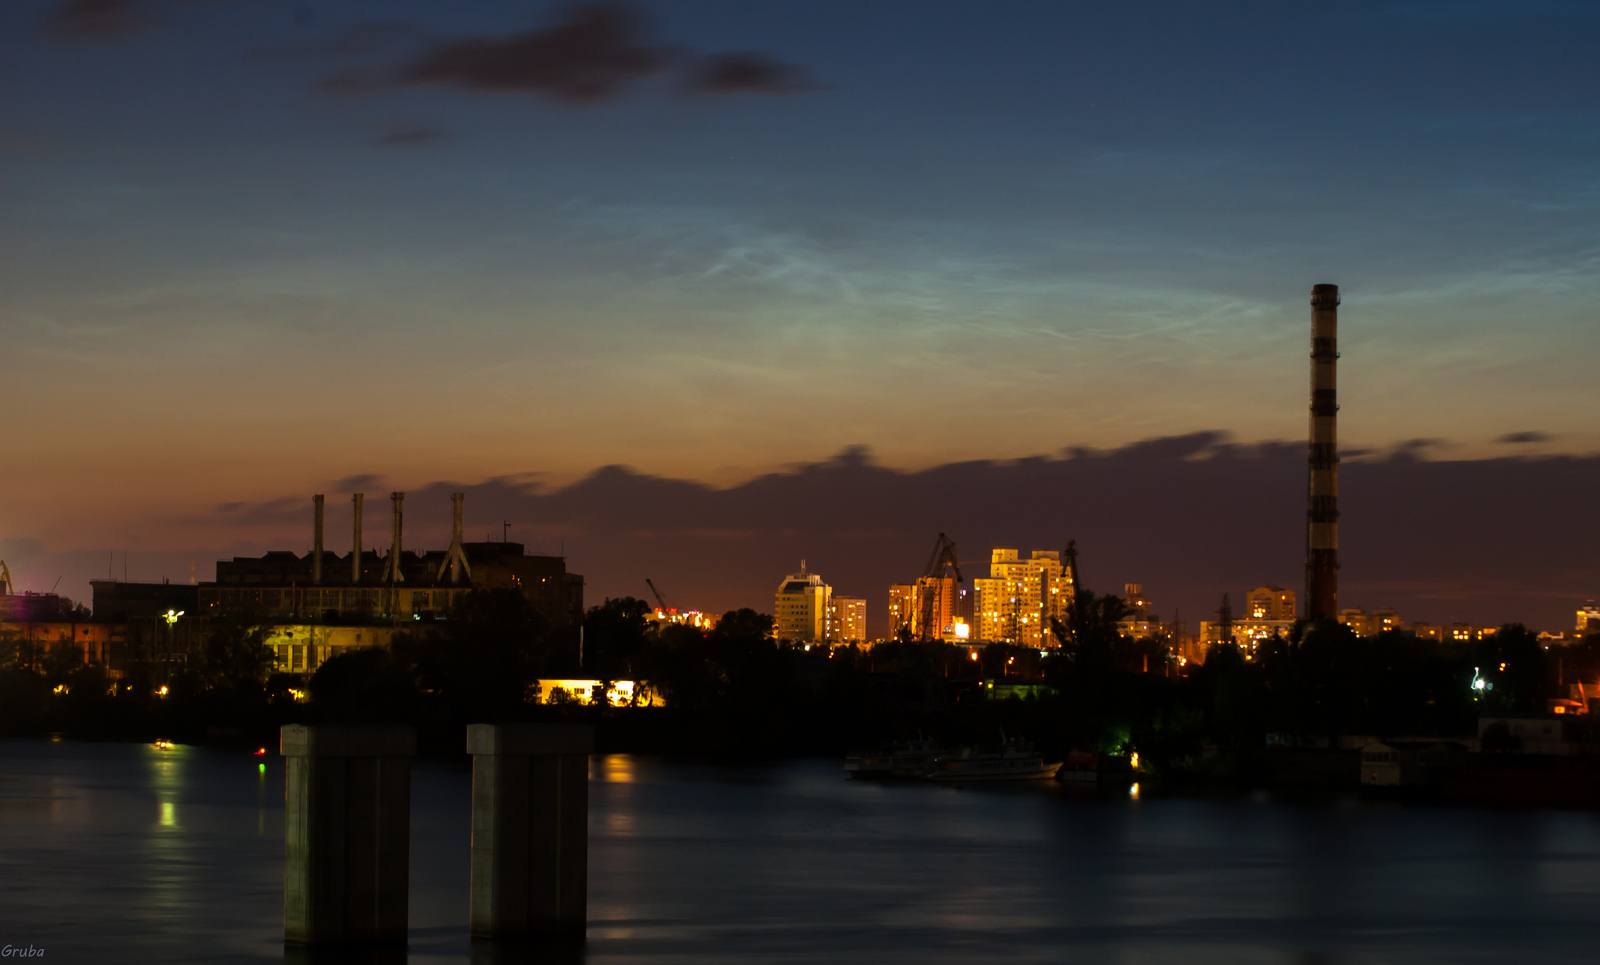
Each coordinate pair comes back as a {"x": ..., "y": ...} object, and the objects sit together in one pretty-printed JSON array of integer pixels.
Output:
[{"x": 734, "y": 690}]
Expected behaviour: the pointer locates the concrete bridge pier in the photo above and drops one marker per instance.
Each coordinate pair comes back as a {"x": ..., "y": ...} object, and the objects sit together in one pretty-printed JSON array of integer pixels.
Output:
[
  {"x": 530, "y": 830},
  {"x": 347, "y": 833}
]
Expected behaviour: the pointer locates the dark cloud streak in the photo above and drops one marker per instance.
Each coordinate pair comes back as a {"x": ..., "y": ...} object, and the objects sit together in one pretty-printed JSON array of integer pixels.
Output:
[
  {"x": 746, "y": 72},
  {"x": 412, "y": 137},
  {"x": 95, "y": 21},
  {"x": 589, "y": 55}
]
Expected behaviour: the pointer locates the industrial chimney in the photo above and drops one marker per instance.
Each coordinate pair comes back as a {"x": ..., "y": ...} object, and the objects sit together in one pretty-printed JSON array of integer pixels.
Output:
[
  {"x": 355, "y": 554},
  {"x": 1322, "y": 505},
  {"x": 391, "y": 572},
  {"x": 316, "y": 547},
  {"x": 455, "y": 558}
]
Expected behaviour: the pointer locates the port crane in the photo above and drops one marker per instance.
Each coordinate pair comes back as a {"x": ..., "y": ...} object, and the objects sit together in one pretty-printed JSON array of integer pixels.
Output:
[{"x": 940, "y": 562}]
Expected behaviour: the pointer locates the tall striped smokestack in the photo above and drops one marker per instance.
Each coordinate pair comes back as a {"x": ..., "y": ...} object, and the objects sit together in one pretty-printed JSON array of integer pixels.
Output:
[
  {"x": 1322, "y": 506},
  {"x": 316, "y": 548}
]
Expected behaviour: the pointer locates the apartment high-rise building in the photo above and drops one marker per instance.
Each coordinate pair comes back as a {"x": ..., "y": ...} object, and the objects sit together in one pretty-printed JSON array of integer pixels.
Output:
[
  {"x": 1269, "y": 603},
  {"x": 1589, "y": 618},
  {"x": 902, "y": 610},
  {"x": 850, "y": 619},
  {"x": 1017, "y": 601},
  {"x": 804, "y": 608},
  {"x": 934, "y": 599},
  {"x": 1141, "y": 620}
]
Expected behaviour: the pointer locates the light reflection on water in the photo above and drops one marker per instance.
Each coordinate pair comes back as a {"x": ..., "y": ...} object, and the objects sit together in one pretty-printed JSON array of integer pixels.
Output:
[{"x": 121, "y": 852}]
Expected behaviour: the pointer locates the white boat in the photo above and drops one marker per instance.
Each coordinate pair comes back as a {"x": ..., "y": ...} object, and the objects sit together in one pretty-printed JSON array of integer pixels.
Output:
[
  {"x": 897, "y": 759},
  {"x": 1092, "y": 769},
  {"x": 1010, "y": 761}
]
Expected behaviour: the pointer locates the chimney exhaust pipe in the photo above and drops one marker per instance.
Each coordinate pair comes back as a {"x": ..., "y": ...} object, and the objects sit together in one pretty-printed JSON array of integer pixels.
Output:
[
  {"x": 392, "y": 572},
  {"x": 1322, "y": 497},
  {"x": 316, "y": 546},
  {"x": 355, "y": 554},
  {"x": 455, "y": 558}
]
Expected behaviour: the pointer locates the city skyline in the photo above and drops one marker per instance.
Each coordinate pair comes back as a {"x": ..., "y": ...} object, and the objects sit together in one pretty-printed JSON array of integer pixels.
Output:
[
  {"x": 256, "y": 250},
  {"x": 1189, "y": 518}
]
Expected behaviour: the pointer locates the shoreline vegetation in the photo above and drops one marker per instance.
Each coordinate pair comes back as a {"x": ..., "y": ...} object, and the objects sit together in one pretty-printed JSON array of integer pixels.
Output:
[{"x": 732, "y": 692}]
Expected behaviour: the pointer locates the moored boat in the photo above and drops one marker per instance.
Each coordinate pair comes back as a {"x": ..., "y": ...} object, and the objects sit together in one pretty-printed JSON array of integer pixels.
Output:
[
  {"x": 1009, "y": 761},
  {"x": 1090, "y": 769},
  {"x": 896, "y": 759}
]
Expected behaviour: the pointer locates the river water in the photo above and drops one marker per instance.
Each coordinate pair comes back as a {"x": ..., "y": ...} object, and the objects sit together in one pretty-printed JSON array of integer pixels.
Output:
[{"x": 121, "y": 852}]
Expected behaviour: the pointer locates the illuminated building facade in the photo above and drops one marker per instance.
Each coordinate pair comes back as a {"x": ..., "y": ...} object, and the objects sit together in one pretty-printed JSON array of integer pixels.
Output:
[
  {"x": 1141, "y": 620},
  {"x": 850, "y": 617},
  {"x": 302, "y": 648},
  {"x": 688, "y": 618},
  {"x": 932, "y": 598},
  {"x": 1364, "y": 624},
  {"x": 1270, "y": 603},
  {"x": 804, "y": 608},
  {"x": 902, "y": 609},
  {"x": 1247, "y": 634},
  {"x": 1017, "y": 601},
  {"x": 936, "y": 602},
  {"x": 1589, "y": 618}
]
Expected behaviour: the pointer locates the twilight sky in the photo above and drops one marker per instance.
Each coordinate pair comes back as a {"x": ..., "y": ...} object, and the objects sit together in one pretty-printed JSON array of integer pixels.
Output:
[{"x": 250, "y": 248}]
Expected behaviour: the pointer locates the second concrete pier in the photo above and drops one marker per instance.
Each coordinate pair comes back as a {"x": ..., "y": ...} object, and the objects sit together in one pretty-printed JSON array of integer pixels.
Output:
[
  {"x": 530, "y": 829},
  {"x": 347, "y": 833}
]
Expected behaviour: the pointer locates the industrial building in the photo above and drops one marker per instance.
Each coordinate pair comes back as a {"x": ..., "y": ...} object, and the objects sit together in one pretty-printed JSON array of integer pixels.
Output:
[{"x": 362, "y": 587}]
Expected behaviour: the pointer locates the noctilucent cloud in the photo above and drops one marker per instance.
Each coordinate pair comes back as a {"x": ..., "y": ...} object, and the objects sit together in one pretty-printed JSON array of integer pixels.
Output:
[{"x": 250, "y": 247}]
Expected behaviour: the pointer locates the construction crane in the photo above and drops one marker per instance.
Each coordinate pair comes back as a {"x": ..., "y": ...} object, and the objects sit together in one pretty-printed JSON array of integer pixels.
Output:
[
  {"x": 660, "y": 600},
  {"x": 1069, "y": 563},
  {"x": 941, "y": 561},
  {"x": 5, "y": 579}
]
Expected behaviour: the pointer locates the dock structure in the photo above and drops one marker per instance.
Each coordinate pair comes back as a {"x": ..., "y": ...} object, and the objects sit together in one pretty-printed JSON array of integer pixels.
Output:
[
  {"x": 347, "y": 833},
  {"x": 530, "y": 830}
]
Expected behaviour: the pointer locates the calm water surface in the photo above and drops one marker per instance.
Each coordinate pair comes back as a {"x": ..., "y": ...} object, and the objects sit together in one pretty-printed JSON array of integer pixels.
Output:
[{"x": 127, "y": 853}]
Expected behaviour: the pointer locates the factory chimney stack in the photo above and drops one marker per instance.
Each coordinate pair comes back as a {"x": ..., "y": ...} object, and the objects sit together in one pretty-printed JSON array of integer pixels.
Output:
[
  {"x": 316, "y": 547},
  {"x": 455, "y": 558},
  {"x": 1322, "y": 505},
  {"x": 391, "y": 573},
  {"x": 355, "y": 554}
]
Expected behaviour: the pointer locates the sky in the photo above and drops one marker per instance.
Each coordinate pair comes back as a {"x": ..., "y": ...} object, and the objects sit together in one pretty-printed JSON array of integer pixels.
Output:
[{"x": 256, "y": 249}]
